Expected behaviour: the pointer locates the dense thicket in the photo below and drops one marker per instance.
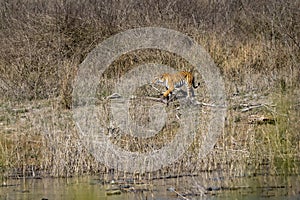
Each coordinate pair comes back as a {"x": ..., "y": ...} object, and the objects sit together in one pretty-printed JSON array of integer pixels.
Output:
[{"x": 42, "y": 42}]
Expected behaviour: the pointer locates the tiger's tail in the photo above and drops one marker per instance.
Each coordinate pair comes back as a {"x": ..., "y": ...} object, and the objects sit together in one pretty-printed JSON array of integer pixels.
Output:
[{"x": 194, "y": 85}]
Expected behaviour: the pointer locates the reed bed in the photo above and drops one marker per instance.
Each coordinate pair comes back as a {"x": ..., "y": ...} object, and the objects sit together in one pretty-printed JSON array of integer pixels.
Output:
[{"x": 254, "y": 44}]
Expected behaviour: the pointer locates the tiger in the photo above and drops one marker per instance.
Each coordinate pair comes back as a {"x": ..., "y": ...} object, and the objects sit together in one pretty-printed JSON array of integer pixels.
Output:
[{"x": 175, "y": 81}]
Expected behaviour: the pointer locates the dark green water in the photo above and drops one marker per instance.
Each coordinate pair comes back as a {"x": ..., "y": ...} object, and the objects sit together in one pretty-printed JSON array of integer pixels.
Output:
[{"x": 191, "y": 187}]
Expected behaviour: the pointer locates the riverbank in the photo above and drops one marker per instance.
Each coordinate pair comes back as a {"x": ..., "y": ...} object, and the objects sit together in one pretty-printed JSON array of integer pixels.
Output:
[{"x": 254, "y": 45}]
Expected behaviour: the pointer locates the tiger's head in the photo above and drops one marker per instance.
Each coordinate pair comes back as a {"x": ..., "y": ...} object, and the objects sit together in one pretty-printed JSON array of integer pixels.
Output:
[{"x": 160, "y": 79}]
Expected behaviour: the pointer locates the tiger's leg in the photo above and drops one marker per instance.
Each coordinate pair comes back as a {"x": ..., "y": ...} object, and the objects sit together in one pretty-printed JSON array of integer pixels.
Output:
[
  {"x": 172, "y": 96},
  {"x": 189, "y": 91},
  {"x": 167, "y": 94},
  {"x": 189, "y": 86},
  {"x": 190, "y": 95}
]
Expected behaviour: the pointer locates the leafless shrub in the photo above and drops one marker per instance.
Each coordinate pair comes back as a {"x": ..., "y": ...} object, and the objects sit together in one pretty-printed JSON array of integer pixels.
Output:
[{"x": 254, "y": 43}]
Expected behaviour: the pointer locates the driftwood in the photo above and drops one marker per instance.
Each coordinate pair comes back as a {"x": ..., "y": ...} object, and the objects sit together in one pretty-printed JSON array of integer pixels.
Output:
[
  {"x": 248, "y": 107},
  {"x": 260, "y": 119},
  {"x": 164, "y": 101},
  {"x": 114, "y": 96},
  {"x": 171, "y": 189},
  {"x": 118, "y": 96},
  {"x": 156, "y": 99}
]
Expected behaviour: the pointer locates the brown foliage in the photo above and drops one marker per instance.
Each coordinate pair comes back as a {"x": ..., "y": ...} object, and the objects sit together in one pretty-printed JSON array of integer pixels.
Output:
[{"x": 38, "y": 38}]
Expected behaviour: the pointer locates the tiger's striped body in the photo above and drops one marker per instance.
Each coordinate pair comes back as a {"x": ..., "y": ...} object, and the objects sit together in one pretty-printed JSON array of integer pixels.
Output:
[{"x": 175, "y": 81}]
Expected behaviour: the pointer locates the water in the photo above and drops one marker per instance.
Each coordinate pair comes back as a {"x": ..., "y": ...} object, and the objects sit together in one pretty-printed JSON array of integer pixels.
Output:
[{"x": 190, "y": 187}]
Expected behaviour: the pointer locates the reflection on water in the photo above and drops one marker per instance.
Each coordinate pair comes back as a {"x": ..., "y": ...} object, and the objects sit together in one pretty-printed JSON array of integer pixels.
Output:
[
  {"x": 203, "y": 186},
  {"x": 48, "y": 188}
]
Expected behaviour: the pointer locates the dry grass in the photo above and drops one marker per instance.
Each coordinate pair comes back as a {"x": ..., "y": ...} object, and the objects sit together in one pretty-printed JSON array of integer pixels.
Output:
[{"x": 254, "y": 44}]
